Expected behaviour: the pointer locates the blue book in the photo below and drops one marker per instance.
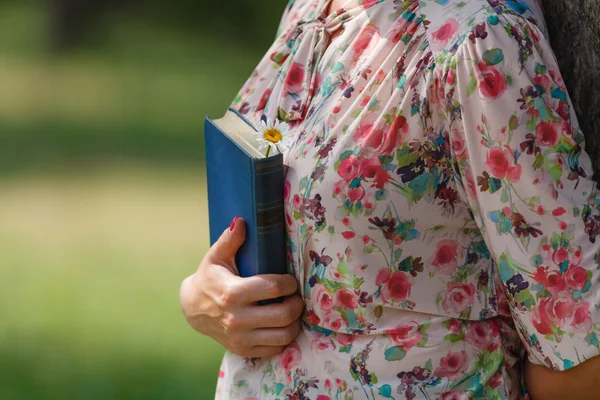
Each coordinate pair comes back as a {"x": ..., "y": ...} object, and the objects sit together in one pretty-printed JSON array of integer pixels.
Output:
[{"x": 243, "y": 182}]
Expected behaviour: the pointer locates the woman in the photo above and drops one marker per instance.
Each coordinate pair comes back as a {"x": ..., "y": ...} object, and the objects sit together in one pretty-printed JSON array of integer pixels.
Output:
[{"x": 441, "y": 216}]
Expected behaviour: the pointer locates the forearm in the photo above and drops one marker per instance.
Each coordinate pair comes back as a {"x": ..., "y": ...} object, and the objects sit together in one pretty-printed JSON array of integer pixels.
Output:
[{"x": 578, "y": 383}]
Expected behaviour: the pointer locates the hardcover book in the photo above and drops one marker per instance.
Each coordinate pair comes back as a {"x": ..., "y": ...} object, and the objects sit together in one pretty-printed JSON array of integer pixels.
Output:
[{"x": 244, "y": 182}]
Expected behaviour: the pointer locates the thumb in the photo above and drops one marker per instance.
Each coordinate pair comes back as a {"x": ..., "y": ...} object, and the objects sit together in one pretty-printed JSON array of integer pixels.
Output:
[{"x": 230, "y": 241}]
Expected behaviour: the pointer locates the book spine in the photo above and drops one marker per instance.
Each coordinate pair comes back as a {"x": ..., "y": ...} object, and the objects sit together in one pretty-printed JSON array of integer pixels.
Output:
[{"x": 270, "y": 222}]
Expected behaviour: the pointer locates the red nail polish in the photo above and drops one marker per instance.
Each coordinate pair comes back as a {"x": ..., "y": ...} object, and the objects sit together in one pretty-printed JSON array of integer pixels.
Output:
[{"x": 233, "y": 223}]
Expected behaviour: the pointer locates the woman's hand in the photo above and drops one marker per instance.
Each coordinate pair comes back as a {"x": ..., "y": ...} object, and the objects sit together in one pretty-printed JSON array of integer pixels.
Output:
[{"x": 220, "y": 304}]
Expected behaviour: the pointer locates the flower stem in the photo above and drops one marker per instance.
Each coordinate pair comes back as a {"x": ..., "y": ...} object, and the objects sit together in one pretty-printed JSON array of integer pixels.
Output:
[{"x": 268, "y": 151}]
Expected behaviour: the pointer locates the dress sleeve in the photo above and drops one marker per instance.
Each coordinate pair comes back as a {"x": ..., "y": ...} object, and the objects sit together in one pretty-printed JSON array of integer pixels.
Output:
[{"x": 522, "y": 168}]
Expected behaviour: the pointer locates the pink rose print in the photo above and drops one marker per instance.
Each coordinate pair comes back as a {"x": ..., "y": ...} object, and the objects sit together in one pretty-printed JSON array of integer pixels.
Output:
[
  {"x": 562, "y": 312},
  {"x": 348, "y": 168},
  {"x": 356, "y": 194},
  {"x": 500, "y": 164},
  {"x": 490, "y": 82},
  {"x": 459, "y": 297},
  {"x": 582, "y": 320},
  {"x": 334, "y": 322},
  {"x": 323, "y": 397},
  {"x": 576, "y": 277},
  {"x": 397, "y": 287},
  {"x": 514, "y": 173},
  {"x": 399, "y": 129},
  {"x": 407, "y": 336},
  {"x": 456, "y": 394},
  {"x": 287, "y": 188},
  {"x": 340, "y": 384},
  {"x": 552, "y": 280},
  {"x": 451, "y": 76},
  {"x": 563, "y": 111},
  {"x": 294, "y": 78},
  {"x": 542, "y": 82},
  {"x": 437, "y": 91},
  {"x": 324, "y": 299},
  {"x": 321, "y": 343},
  {"x": 340, "y": 187},
  {"x": 297, "y": 201},
  {"x": 445, "y": 257},
  {"x": 459, "y": 146},
  {"x": 289, "y": 222},
  {"x": 454, "y": 326},
  {"x": 334, "y": 273},
  {"x": 575, "y": 257},
  {"x": 453, "y": 365},
  {"x": 345, "y": 339},
  {"x": 345, "y": 298},
  {"x": 371, "y": 171},
  {"x": 561, "y": 254},
  {"x": 315, "y": 84},
  {"x": 379, "y": 139},
  {"x": 348, "y": 235},
  {"x": 313, "y": 318},
  {"x": 547, "y": 133},
  {"x": 383, "y": 276},
  {"x": 369, "y": 35},
  {"x": 290, "y": 357},
  {"x": 495, "y": 380},
  {"x": 545, "y": 315},
  {"x": 396, "y": 32},
  {"x": 471, "y": 187},
  {"x": 558, "y": 79},
  {"x": 263, "y": 100},
  {"x": 482, "y": 334},
  {"x": 440, "y": 37}
]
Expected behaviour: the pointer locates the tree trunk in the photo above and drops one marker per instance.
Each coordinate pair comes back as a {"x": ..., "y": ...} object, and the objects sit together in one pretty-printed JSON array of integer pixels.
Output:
[{"x": 574, "y": 28}]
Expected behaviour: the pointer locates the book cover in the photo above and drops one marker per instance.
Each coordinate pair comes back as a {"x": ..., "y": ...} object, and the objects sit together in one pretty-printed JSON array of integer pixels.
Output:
[{"x": 243, "y": 182}]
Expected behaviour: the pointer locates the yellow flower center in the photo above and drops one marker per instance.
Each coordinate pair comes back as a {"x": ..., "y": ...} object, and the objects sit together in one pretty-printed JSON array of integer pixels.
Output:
[{"x": 272, "y": 135}]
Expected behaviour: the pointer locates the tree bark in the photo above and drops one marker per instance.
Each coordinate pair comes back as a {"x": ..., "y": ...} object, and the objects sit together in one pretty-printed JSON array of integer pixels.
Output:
[{"x": 574, "y": 29}]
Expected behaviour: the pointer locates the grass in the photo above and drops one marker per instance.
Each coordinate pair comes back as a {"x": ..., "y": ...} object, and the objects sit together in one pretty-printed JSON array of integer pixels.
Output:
[{"x": 90, "y": 268}]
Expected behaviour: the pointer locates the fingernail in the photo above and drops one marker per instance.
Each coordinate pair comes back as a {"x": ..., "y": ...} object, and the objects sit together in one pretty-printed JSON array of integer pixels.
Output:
[{"x": 233, "y": 223}]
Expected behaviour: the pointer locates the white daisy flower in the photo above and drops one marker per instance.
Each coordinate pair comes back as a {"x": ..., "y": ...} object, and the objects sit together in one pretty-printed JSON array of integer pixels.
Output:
[{"x": 273, "y": 136}]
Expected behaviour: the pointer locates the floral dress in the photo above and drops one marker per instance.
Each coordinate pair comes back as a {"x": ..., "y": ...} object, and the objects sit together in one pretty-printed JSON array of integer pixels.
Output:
[{"x": 441, "y": 218}]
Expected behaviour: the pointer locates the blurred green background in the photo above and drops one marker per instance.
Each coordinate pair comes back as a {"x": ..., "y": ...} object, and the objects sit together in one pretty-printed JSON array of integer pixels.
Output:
[{"x": 102, "y": 191}]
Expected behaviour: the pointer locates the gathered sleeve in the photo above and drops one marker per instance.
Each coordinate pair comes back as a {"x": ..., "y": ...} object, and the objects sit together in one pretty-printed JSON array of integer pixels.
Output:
[{"x": 522, "y": 169}]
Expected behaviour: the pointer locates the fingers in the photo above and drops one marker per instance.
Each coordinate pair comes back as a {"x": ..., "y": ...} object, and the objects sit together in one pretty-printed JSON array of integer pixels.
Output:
[
  {"x": 276, "y": 315},
  {"x": 238, "y": 291},
  {"x": 277, "y": 336},
  {"x": 229, "y": 242},
  {"x": 266, "y": 337},
  {"x": 266, "y": 287}
]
